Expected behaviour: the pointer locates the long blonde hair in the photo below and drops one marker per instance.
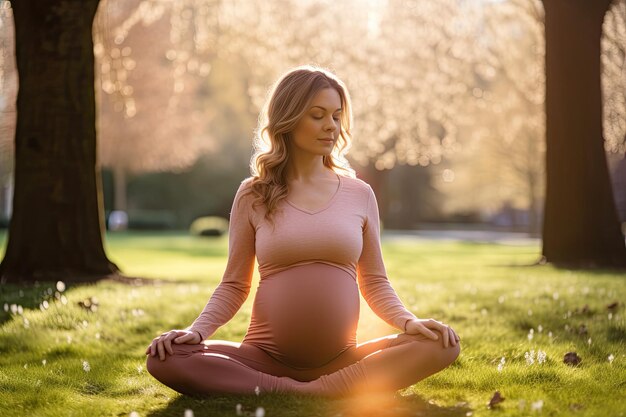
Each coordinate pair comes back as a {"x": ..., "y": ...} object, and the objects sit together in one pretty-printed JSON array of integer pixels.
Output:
[{"x": 288, "y": 100}]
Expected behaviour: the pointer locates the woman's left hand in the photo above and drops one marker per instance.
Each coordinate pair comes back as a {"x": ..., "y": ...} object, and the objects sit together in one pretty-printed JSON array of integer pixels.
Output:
[{"x": 425, "y": 327}]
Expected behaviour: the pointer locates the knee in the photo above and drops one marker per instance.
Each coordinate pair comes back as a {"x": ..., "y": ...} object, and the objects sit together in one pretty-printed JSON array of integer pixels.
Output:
[
  {"x": 153, "y": 365},
  {"x": 442, "y": 356},
  {"x": 451, "y": 353}
]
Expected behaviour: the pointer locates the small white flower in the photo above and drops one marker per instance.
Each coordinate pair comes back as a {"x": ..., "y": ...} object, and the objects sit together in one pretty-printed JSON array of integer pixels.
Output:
[
  {"x": 540, "y": 328},
  {"x": 555, "y": 296},
  {"x": 589, "y": 341},
  {"x": 238, "y": 409},
  {"x": 97, "y": 335},
  {"x": 188, "y": 413},
  {"x": 530, "y": 357},
  {"x": 139, "y": 368},
  {"x": 610, "y": 315},
  {"x": 69, "y": 339},
  {"x": 25, "y": 365},
  {"x": 530, "y": 312},
  {"x": 133, "y": 414},
  {"x": 13, "y": 308},
  {"x": 26, "y": 323},
  {"x": 537, "y": 405},
  {"x": 541, "y": 356},
  {"x": 6, "y": 307},
  {"x": 260, "y": 412},
  {"x": 531, "y": 334},
  {"x": 550, "y": 335},
  {"x": 611, "y": 358},
  {"x": 257, "y": 390},
  {"x": 44, "y": 362},
  {"x": 501, "y": 364},
  {"x": 60, "y": 286},
  {"x": 501, "y": 299},
  {"x": 469, "y": 414},
  {"x": 86, "y": 366}
]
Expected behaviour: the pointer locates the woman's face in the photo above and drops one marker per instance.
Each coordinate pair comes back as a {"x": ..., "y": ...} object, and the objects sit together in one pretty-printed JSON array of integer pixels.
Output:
[{"x": 317, "y": 131}]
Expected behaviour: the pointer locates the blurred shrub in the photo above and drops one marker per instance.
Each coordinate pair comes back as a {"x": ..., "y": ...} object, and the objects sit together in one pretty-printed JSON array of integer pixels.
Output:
[
  {"x": 209, "y": 226},
  {"x": 151, "y": 220}
]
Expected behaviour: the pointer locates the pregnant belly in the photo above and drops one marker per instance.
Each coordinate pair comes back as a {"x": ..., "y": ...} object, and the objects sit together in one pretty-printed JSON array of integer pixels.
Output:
[{"x": 305, "y": 316}]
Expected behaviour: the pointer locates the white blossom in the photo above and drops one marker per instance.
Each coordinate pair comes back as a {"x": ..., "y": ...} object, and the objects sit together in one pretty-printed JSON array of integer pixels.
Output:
[
  {"x": 60, "y": 286},
  {"x": 238, "y": 409},
  {"x": 86, "y": 366},
  {"x": 188, "y": 412},
  {"x": 501, "y": 364},
  {"x": 541, "y": 356},
  {"x": 260, "y": 412},
  {"x": 611, "y": 358},
  {"x": 257, "y": 390},
  {"x": 133, "y": 414},
  {"x": 530, "y": 357},
  {"x": 537, "y": 405},
  {"x": 44, "y": 362}
]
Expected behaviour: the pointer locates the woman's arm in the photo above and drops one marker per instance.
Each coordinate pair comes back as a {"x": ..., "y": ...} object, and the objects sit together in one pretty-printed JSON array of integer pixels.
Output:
[
  {"x": 234, "y": 288},
  {"x": 372, "y": 276}
]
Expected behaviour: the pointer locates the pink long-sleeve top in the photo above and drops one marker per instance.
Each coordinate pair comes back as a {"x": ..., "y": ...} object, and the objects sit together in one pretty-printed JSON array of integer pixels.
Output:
[{"x": 345, "y": 233}]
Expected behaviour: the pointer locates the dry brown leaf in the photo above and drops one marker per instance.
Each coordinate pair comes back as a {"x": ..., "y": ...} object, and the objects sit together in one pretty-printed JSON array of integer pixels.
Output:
[
  {"x": 571, "y": 358},
  {"x": 495, "y": 400}
]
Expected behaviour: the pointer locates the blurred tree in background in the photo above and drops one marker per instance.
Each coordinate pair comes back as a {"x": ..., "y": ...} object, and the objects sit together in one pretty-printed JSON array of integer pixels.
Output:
[
  {"x": 581, "y": 225},
  {"x": 56, "y": 225}
]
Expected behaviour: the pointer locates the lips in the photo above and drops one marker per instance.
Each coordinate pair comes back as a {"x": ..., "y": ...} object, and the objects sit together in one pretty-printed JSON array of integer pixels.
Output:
[{"x": 329, "y": 140}]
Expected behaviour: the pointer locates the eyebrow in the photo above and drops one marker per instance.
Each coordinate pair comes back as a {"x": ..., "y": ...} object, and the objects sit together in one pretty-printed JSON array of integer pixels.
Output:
[{"x": 339, "y": 109}]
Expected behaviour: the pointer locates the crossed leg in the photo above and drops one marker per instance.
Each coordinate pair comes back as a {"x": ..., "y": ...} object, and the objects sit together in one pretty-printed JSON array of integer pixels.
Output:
[{"x": 384, "y": 364}]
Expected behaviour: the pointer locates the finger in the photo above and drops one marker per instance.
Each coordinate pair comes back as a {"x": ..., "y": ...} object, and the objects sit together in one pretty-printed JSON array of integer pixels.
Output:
[
  {"x": 428, "y": 333},
  {"x": 168, "y": 346},
  {"x": 446, "y": 336},
  {"x": 161, "y": 350},
  {"x": 452, "y": 337},
  {"x": 153, "y": 348}
]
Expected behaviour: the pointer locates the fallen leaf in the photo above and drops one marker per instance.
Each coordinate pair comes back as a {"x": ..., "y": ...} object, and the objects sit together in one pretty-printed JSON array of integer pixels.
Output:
[
  {"x": 613, "y": 306},
  {"x": 495, "y": 400},
  {"x": 571, "y": 358}
]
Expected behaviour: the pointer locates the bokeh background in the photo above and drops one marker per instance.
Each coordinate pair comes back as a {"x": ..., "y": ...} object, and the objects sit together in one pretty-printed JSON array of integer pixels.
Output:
[{"x": 449, "y": 101}]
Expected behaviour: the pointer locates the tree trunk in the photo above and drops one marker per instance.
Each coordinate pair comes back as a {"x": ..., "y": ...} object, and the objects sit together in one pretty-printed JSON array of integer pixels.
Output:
[
  {"x": 57, "y": 225},
  {"x": 580, "y": 226}
]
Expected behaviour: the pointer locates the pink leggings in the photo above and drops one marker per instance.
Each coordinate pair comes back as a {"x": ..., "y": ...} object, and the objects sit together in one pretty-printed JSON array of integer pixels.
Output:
[{"x": 380, "y": 365}]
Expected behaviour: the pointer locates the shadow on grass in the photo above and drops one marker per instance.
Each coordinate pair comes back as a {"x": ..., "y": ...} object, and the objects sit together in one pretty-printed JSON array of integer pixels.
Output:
[
  {"x": 30, "y": 295},
  {"x": 294, "y": 405}
]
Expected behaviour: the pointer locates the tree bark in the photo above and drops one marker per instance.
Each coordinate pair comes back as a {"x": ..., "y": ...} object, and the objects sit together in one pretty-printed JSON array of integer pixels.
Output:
[
  {"x": 57, "y": 226},
  {"x": 580, "y": 226}
]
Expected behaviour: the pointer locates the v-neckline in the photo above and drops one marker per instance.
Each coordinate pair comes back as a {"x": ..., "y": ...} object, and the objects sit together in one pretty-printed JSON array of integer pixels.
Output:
[{"x": 325, "y": 206}]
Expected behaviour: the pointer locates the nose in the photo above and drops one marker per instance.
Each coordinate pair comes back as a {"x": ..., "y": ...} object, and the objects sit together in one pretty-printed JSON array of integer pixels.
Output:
[{"x": 331, "y": 125}]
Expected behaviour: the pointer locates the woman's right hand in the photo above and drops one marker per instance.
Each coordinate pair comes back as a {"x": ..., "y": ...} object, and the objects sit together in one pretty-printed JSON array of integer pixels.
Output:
[{"x": 162, "y": 344}]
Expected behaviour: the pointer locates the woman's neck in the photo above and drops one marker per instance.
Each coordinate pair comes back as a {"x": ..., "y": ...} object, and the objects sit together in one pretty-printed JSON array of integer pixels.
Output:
[{"x": 302, "y": 169}]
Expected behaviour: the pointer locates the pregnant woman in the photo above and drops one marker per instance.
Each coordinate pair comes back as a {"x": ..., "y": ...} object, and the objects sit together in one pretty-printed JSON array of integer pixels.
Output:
[{"x": 314, "y": 230}]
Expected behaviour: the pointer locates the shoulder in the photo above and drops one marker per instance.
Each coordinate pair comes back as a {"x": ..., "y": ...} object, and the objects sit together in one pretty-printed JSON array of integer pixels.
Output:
[{"x": 357, "y": 185}]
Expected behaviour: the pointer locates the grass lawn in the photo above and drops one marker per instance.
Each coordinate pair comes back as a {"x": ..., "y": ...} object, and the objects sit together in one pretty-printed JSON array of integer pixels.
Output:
[{"x": 516, "y": 323}]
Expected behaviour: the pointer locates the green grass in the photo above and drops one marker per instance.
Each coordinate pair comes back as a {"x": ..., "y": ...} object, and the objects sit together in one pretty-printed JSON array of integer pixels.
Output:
[{"x": 486, "y": 292}]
